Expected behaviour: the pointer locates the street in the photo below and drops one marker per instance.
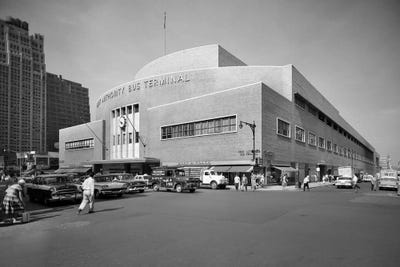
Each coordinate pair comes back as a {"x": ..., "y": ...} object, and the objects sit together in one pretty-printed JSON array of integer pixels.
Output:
[{"x": 323, "y": 227}]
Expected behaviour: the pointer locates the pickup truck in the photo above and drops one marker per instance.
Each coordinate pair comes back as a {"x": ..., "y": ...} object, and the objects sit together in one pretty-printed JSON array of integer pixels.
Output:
[
  {"x": 173, "y": 179},
  {"x": 208, "y": 177},
  {"x": 52, "y": 188}
]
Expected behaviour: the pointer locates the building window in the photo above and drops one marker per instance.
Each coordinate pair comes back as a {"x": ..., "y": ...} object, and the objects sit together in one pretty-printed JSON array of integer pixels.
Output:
[
  {"x": 130, "y": 138},
  {"x": 299, "y": 101},
  {"x": 329, "y": 145},
  {"x": 113, "y": 140},
  {"x": 129, "y": 109},
  {"x": 335, "y": 148},
  {"x": 79, "y": 144},
  {"x": 312, "y": 139},
  {"x": 198, "y": 128},
  {"x": 283, "y": 127},
  {"x": 137, "y": 137},
  {"x": 321, "y": 116},
  {"x": 118, "y": 139},
  {"x": 312, "y": 110},
  {"x": 300, "y": 134},
  {"x": 123, "y": 139},
  {"x": 321, "y": 142},
  {"x": 136, "y": 108}
]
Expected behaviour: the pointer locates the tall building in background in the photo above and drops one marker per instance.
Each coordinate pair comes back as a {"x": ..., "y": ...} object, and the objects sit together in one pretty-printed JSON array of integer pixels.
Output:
[
  {"x": 67, "y": 105},
  {"x": 22, "y": 88}
]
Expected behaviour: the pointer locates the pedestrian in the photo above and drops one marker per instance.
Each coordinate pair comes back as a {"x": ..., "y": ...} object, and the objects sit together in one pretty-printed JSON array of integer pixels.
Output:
[
  {"x": 306, "y": 183},
  {"x": 262, "y": 181},
  {"x": 253, "y": 182},
  {"x": 376, "y": 185},
  {"x": 13, "y": 203},
  {"x": 373, "y": 178},
  {"x": 237, "y": 182},
  {"x": 355, "y": 185},
  {"x": 284, "y": 181},
  {"x": 244, "y": 182},
  {"x": 88, "y": 194}
]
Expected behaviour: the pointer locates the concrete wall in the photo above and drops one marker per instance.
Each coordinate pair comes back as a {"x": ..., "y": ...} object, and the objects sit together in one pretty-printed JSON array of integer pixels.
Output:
[{"x": 93, "y": 130}]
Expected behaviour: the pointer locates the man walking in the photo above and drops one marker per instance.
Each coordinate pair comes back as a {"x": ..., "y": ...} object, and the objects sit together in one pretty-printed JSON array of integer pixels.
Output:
[
  {"x": 88, "y": 194},
  {"x": 237, "y": 182},
  {"x": 355, "y": 185},
  {"x": 305, "y": 183},
  {"x": 244, "y": 182}
]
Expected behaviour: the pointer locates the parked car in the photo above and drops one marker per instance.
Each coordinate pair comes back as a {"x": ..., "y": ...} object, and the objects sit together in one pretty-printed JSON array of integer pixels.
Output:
[
  {"x": 148, "y": 179},
  {"x": 133, "y": 185},
  {"x": 388, "y": 179},
  {"x": 367, "y": 178},
  {"x": 104, "y": 186},
  {"x": 50, "y": 188},
  {"x": 343, "y": 181}
]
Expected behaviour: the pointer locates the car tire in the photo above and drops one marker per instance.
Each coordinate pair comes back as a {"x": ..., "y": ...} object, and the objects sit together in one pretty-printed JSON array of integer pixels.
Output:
[
  {"x": 119, "y": 195},
  {"x": 156, "y": 187},
  {"x": 214, "y": 185},
  {"x": 141, "y": 191},
  {"x": 178, "y": 188},
  {"x": 192, "y": 190},
  {"x": 96, "y": 194}
]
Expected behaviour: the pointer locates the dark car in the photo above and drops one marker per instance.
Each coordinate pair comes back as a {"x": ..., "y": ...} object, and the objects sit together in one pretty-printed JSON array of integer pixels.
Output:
[
  {"x": 50, "y": 188},
  {"x": 173, "y": 179},
  {"x": 134, "y": 185}
]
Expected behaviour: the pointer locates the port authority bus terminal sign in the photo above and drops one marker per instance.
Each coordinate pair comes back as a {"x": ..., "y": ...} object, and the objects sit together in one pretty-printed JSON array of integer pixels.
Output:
[{"x": 143, "y": 84}]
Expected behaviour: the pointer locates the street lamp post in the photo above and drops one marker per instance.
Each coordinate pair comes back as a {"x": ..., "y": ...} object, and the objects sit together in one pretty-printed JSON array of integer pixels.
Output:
[{"x": 252, "y": 127}]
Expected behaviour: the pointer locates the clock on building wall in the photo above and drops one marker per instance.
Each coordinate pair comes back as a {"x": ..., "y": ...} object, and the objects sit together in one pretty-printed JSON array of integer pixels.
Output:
[{"x": 122, "y": 121}]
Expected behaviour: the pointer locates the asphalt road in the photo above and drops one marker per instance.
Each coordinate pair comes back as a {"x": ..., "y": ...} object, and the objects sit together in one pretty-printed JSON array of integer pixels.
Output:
[{"x": 324, "y": 227}]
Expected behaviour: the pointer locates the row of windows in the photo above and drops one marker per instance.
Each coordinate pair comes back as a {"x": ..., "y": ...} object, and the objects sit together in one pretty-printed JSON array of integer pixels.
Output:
[
  {"x": 198, "y": 128},
  {"x": 125, "y": 110},
  {"x": 81, "y": 144},
  {"x": 121, "y": 139},
  {"x": 284, "y": 129},
  {"x": 303, "y": 104}
]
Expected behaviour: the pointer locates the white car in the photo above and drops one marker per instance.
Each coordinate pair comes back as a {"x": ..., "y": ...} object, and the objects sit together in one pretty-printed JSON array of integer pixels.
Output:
[{"x": 343, "y": 182}]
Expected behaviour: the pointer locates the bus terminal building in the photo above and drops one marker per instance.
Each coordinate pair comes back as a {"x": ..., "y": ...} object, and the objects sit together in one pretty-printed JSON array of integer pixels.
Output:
[{"x": 185, "y": 109}]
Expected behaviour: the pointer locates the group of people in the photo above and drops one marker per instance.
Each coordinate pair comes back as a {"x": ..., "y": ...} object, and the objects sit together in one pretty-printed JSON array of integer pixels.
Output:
[{"x": 241, "y": 183}]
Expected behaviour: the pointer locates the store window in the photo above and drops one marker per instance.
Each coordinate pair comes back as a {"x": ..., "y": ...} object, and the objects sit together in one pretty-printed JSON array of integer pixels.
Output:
[{"x": 283, "y": 127}]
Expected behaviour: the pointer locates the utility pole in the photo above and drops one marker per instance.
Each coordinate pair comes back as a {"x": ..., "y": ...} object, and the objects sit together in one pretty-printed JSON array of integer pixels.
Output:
[{"x": 252, "y": 127}]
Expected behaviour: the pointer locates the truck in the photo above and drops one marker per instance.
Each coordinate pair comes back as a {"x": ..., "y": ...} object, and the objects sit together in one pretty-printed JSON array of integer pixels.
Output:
[
  {"x": 345, "y": 171},
  {"x": 345, "y": 178},
  {"x": 208, "y": 177},
  {"x": 388, "y": 179},
  {"x": 173, "y": 179}
]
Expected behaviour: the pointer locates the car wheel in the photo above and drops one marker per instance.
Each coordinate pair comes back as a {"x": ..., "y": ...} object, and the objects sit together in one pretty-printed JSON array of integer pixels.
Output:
[
  {"x": 141, "y": 190},
  {"x": 178, "y": 188},
  {"x": 192, "y": 190},
  {"x": 96, "y": 194},
  {"x": 213, "y": 185},
  {"x": 156, "y": 187},
  {"x": 119, "y": 195}
]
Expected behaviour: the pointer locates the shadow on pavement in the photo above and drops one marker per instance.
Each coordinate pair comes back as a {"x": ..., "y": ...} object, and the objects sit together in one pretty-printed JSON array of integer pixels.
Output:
[{"x": 104, "y": 210}]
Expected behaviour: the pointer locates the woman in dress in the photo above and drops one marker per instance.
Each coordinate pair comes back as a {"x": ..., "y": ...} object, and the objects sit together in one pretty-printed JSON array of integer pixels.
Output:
[{"x": 13, "y": 203}]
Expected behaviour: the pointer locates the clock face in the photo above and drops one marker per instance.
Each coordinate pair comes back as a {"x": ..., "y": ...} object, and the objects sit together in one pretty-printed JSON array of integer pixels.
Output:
[{"x": 122, "y": 122}]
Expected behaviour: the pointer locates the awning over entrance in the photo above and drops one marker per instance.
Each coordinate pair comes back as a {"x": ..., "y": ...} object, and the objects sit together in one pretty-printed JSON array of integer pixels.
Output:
[
  {"x": 285, "y": 169},
  {"x": 221, "y": 168},
  {"x": 246, "y": 168},
  {"x": 73, "y": 170}
]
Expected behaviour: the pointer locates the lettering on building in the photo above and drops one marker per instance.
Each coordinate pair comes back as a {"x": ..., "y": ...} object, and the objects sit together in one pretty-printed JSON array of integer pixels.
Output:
[{"x": 144, "y": 84}]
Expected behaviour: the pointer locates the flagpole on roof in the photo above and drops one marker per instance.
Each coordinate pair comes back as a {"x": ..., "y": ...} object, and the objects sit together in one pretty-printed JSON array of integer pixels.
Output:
[{"x": 165, "y": 33}]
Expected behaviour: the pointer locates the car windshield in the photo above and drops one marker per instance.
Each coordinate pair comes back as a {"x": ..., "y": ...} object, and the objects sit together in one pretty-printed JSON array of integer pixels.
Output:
[
  {"x": 56, "y": 180},
  {"x": 103, "y": 179}
]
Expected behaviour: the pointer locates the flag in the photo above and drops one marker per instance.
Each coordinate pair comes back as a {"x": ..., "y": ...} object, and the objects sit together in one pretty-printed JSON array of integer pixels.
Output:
[{"x": 165, "y": 20}]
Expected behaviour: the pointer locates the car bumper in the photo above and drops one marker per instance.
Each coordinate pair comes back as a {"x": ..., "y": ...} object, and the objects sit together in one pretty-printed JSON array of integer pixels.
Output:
[
  {"x": 112, "y": 192},
  {"x": 65, "y": 197},
  {"x": 135, "y": 189}
]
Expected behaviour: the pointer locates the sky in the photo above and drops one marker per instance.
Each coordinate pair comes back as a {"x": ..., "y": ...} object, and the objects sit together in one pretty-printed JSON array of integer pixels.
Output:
[{"x": 348, "y": 49}]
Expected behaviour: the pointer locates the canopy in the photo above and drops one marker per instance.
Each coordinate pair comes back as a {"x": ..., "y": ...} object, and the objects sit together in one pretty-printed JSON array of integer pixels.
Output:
[
  {"x": 73, "y": 170},
  {"x": 221, "y": 168},
  {"x": 285, "y": 169}
]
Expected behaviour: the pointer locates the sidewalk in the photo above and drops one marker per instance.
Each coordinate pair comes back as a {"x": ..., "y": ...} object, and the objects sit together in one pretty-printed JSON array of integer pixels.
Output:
[{"x": 279, "y": 187}]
